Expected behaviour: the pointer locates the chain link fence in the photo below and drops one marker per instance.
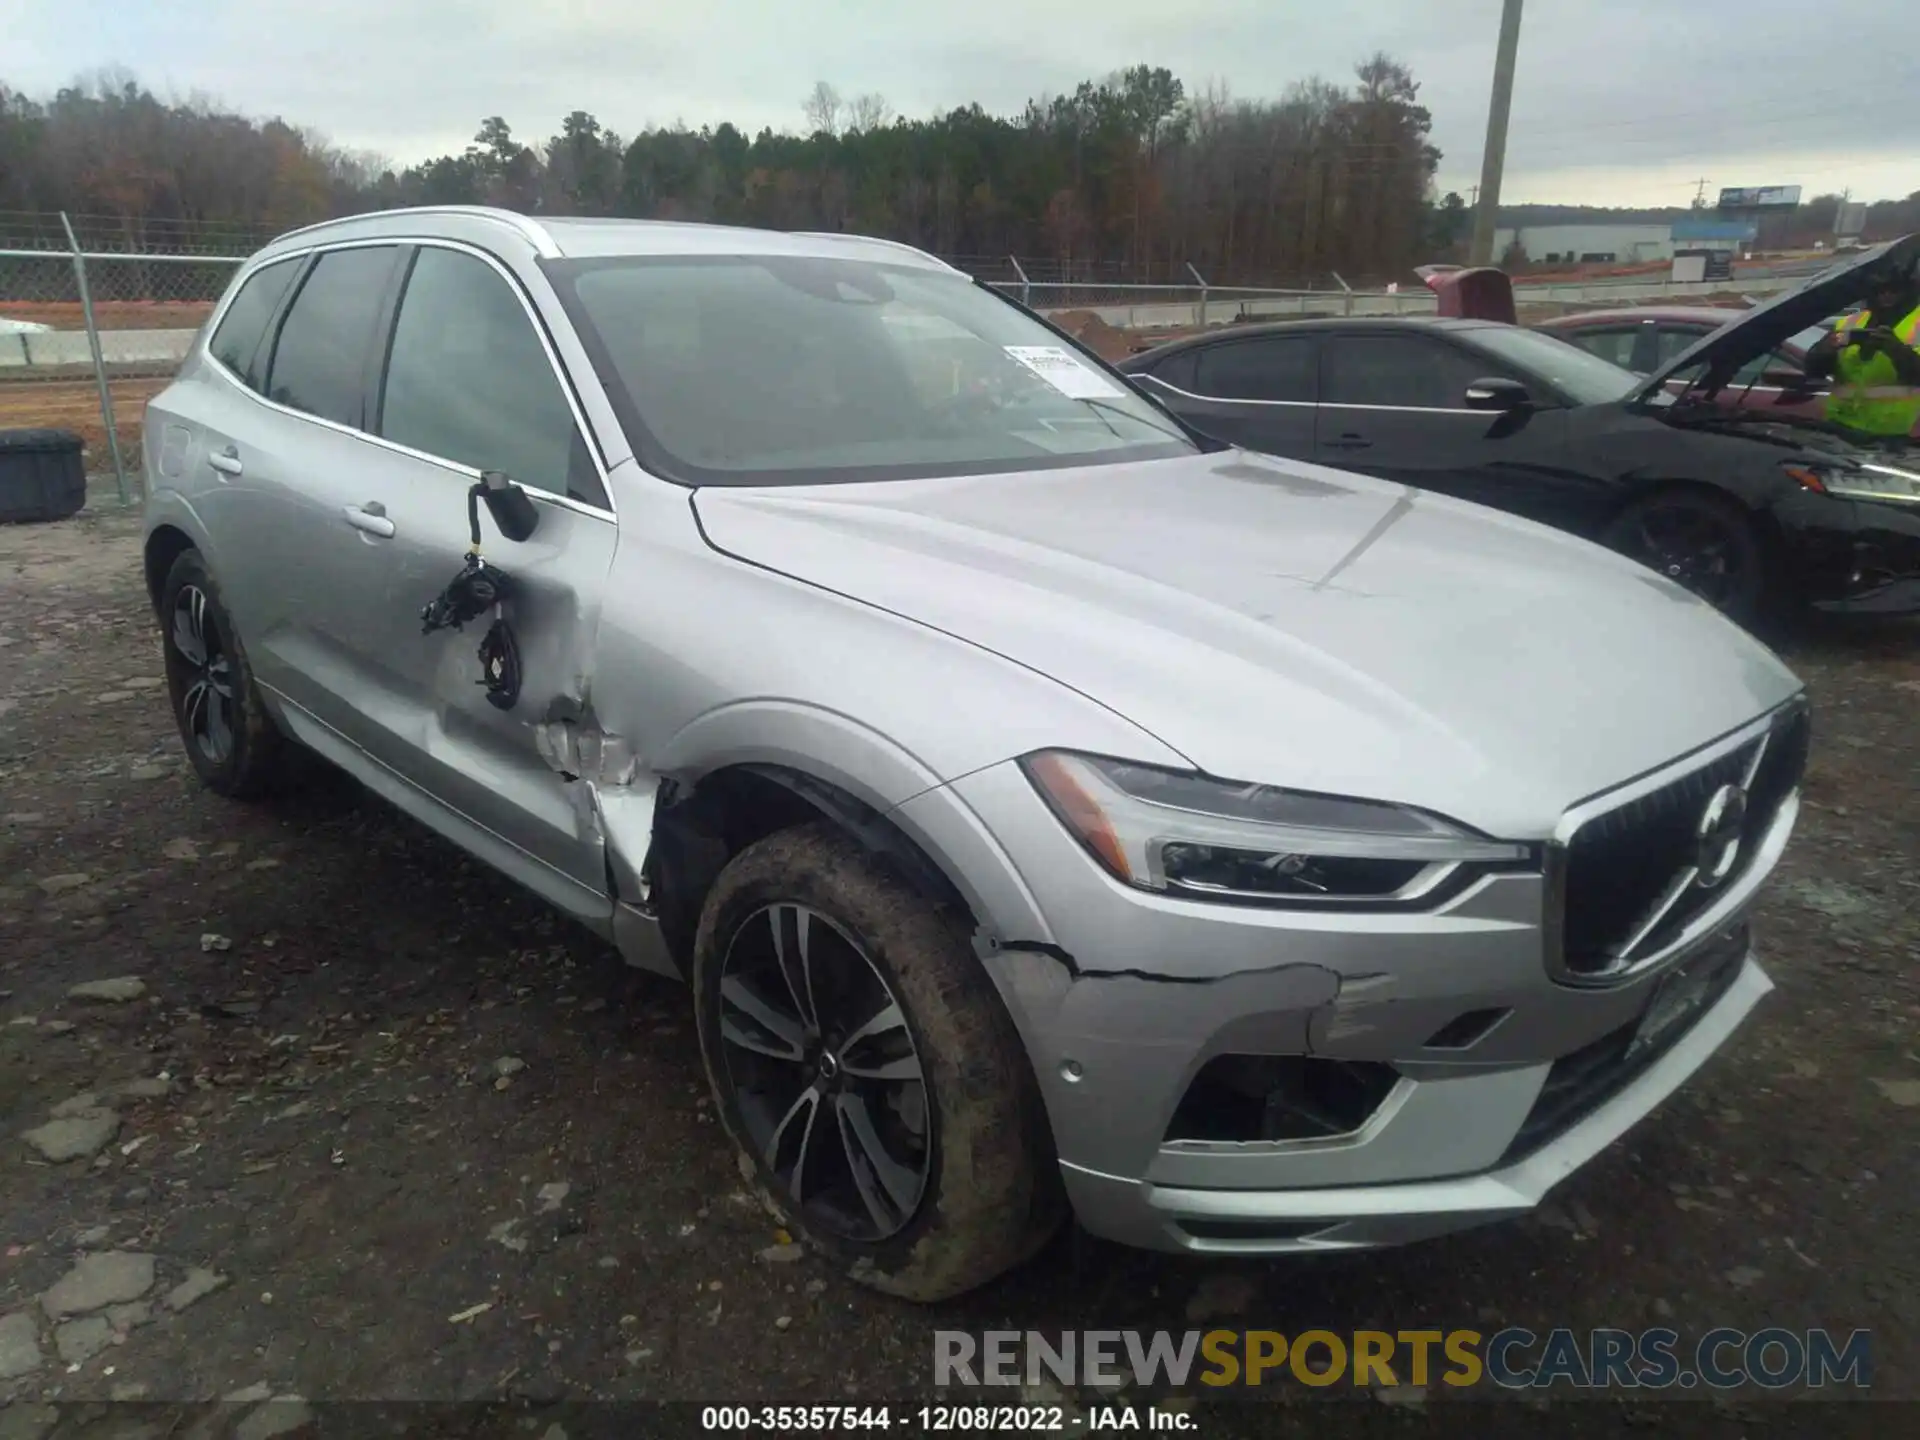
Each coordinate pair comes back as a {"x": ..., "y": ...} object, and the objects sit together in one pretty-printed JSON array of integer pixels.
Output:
[
  {"x": 92, "y": 328},
  {"x": 96, "y": 314},
  {"x": 1152, "y": 307}
]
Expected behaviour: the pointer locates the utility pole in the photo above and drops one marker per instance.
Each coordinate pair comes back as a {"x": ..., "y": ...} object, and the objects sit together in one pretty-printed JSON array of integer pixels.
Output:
[
  {"x": 1487, "y": 207},
  {"x": 1700, "y": 194}
]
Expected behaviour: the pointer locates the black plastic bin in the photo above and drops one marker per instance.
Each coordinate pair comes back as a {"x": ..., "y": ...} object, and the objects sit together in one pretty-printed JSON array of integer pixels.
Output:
[{"x": 42, "y": 476}]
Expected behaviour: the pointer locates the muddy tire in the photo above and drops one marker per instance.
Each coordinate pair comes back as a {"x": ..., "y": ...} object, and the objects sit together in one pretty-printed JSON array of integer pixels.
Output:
[
  {"x": 231, "y": 740},
  {"x": 877, "y": 1091}
]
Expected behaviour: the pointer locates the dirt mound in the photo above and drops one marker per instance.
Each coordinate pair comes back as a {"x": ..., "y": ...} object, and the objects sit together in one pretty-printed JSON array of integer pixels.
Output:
[
  {"x": 74, "y": 404},
  {"x": 1107, "y": 341},
  {"x": 112, "y": 314}
]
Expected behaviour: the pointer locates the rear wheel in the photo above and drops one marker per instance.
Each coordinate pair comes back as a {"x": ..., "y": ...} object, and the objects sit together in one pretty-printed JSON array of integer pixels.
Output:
[
  {"x": 866, "y": 1069},
  {"x": 1699, "y": 541},
  {"x": 232, "y": 742}
]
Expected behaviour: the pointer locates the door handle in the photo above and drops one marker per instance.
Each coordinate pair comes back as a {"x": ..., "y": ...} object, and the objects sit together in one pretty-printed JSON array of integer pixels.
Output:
[
  {"x": 226, "y": 461},
  {"x": 371, "y": 518},
  {"x": 1349, "y": 441}
]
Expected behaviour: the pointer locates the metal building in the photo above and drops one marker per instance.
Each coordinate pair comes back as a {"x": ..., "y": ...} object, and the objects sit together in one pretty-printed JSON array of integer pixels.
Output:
[{"x": 1588, "y": 244}]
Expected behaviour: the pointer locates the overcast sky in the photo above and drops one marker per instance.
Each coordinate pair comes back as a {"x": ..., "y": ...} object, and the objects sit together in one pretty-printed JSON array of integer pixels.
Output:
[{"x": 1617, "y": 101}]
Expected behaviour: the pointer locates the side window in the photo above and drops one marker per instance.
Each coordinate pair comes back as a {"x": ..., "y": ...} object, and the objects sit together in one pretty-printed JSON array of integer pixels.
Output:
[
  {"x": 1272, "y": 368},
  {"x": 1671, "y": 340},
  {"x": 236, "y": 344},
  {"x": 1613, "y": 343},
  {"x": 468, "y": 380},
  {"x": 1178, "y": 370},
  {"x": 1773, "y": 368},
  {"x": 319, "y": 363},
  {"x": 1405, "y": 370}
]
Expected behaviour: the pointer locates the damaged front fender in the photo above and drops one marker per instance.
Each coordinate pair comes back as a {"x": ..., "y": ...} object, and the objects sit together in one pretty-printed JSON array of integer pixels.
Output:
[
  {"x": 616, "y": 801},
  {"x": 1116, "y": 1049}
]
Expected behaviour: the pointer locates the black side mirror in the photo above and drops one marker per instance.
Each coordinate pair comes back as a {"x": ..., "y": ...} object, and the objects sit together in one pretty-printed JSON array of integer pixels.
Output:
[
  {"x": 512, "y": 509},
  {"x": 1497, "y": 394}
]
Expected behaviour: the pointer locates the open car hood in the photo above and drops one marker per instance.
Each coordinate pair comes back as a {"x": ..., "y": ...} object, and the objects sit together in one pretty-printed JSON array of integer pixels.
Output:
[{"x": 1765, "y": 327}]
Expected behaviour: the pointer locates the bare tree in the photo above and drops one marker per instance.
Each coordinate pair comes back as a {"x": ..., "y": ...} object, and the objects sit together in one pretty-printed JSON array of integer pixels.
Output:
[
  {"x": 823, "y": 109},
  {"x": 868, "y": 112}
]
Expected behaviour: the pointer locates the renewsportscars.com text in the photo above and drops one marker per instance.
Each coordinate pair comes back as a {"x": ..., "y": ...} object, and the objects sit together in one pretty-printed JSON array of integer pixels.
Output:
[{"x": 1514, "y": 1358}]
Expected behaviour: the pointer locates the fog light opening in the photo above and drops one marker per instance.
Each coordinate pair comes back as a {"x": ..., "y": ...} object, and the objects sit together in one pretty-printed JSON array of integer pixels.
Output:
[
  {"x": 1242, "y": 1098},
  {"x": 1466, "y": 1030}
]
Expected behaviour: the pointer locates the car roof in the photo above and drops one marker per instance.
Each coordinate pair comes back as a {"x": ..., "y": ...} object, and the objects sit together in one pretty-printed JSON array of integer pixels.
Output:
[
  {"x": 589, "y": 237},
  {"x": 1683, "y": 314}
]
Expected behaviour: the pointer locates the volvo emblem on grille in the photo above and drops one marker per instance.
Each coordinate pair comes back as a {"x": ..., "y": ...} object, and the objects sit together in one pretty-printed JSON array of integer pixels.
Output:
[{"x": 1718, "y": 836}]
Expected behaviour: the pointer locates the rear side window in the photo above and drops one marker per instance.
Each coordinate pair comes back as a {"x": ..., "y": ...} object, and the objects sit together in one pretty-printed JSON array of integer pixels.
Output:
[
  {"x": 469, "y": 381},
  {"x": 1274, "y": 368},
  {"x": 1402, "y": 370},
  {"x": 319, "y": 364},
  {"x": 236, "y": 344},
  {"x": 1615, "y": 344},
  {"x": 1177, "y": 370}
]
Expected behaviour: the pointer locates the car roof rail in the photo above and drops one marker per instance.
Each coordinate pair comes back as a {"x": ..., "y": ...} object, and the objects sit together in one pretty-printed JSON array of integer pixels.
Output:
[
  {"x": 528, "y": 228},
  {"x": 913, "y": 250}
]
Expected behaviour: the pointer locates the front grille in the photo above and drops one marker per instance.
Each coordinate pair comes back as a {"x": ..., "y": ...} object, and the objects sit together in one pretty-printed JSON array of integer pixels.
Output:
[
  {"x": 1783, "y": 766},
  {"x": 1620, "y": 866},
  {"x": 1580, "y": 1083}
]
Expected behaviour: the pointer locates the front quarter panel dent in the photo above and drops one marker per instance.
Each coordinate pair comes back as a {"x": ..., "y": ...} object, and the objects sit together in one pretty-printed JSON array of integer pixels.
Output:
[{"x": 1128, "y": 1042}]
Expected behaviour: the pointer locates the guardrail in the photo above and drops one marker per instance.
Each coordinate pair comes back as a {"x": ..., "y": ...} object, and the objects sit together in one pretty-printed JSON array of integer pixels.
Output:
[{"x": 1146, "y": 307}]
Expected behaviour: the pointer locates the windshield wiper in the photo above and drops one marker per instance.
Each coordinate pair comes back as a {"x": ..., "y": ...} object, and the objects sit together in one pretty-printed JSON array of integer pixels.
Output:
[{"x": 1108, "y": 407}]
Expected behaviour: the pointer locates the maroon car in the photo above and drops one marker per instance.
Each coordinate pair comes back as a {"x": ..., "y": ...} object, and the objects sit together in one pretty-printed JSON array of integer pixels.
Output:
[
  {"x": 1642, "y": 338},
  {"x": 1646, "y": 338}
]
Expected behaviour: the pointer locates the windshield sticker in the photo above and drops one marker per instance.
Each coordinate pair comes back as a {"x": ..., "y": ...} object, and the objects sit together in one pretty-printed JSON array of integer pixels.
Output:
[{"x": 1064, "y": 372}]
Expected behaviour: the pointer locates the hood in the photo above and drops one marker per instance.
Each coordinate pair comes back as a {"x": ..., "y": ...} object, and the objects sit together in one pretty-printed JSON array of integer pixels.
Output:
[
  {"x": 1279, "y": 622},
  {"x": 1767, "y": 327},
  {"x": 1808, "y": 437}
]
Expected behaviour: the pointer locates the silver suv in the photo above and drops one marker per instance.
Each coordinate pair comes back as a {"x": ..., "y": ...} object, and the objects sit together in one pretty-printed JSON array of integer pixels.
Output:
[{"x": 1048, "y": 808}]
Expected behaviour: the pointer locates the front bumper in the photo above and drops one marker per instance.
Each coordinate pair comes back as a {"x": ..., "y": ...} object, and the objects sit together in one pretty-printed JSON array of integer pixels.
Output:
[
  {"x": 1123, "y": 997},
  {"x": 1855, "y": 557},
  {"x": 1350, "y": 1217}
]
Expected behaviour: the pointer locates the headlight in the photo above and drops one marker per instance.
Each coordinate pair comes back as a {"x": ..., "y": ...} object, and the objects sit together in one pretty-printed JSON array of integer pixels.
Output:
[
  {"x": 1186, "y": 834},
  {"x": 1862, "y": 482}
]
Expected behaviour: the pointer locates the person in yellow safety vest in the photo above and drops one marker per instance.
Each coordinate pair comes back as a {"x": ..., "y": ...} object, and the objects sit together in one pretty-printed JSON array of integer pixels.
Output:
[{"x": 1873, "y": 357}]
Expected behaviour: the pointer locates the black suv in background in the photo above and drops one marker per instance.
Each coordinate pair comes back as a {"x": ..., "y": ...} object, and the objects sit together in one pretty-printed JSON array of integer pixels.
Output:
[{"x": 1744, "y": 507}]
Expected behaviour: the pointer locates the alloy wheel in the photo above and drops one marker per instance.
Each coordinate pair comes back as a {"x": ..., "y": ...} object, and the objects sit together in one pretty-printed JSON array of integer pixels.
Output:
[
  {"x": 1693, "y": 547},
  {"x": 206, "y": 672},
  {"x": 826, "y": 1077}
]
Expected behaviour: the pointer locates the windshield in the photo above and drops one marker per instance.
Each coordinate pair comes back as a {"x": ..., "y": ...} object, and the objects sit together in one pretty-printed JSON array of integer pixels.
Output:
[
  {"x": 1580, "y": 375},
  {"x": 773, "y": 369}
]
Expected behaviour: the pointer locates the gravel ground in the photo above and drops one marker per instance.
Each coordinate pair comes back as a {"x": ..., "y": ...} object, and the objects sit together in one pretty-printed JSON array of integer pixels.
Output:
[{"x": 402, "y": 1134}]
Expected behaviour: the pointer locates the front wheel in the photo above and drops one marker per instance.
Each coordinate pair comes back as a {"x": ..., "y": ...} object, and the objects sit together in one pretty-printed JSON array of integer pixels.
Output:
[
  {"x": 1699, "y": 541},
  {"x": 867, "y": 1070}
]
